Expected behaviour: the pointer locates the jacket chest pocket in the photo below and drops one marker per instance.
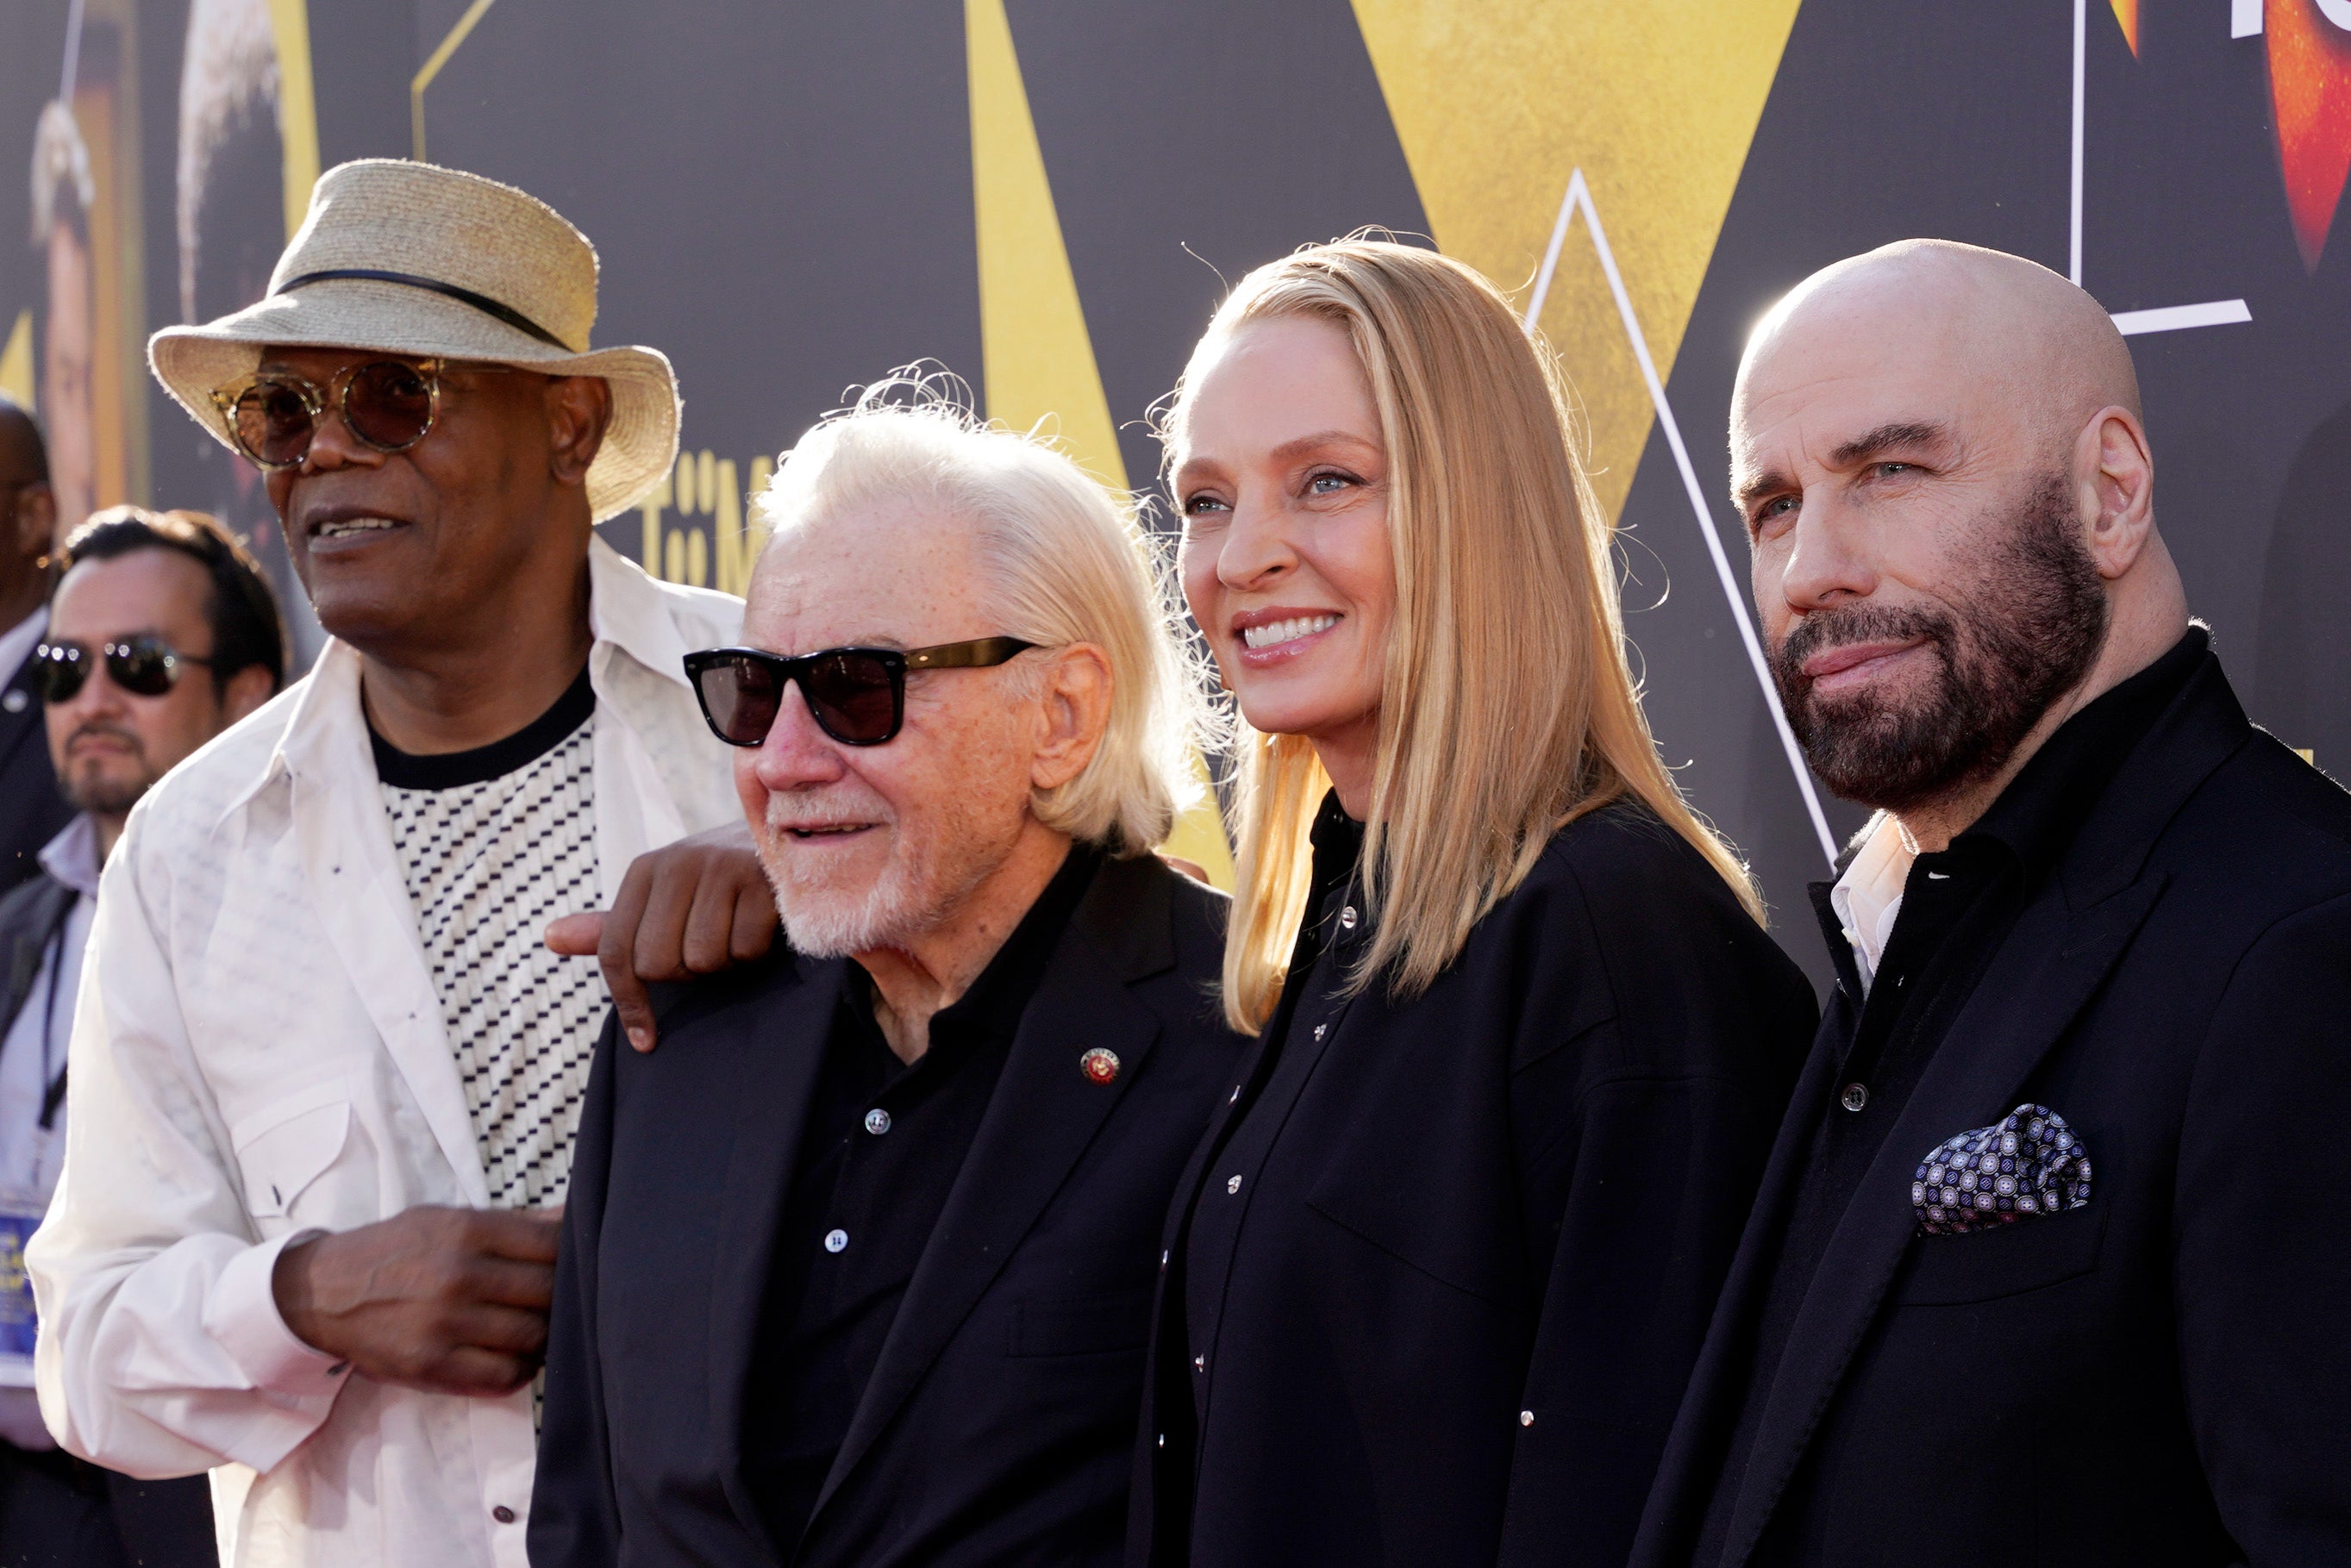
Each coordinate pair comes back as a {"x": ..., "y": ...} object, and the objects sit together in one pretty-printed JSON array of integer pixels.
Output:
[
  {"x": 2006, "y": 1260},
  {"x": 283, "y": 1149}
]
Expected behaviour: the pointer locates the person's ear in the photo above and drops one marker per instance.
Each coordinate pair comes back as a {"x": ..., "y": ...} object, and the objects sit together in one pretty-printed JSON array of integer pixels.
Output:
[
  {"x": 37, "y": 522},
  {"x": 579, "y": 411},
  {"x": 2117, "y": 489},
  {"x": 1074, "y": 710},
  {"x": 244, "y": 692}
]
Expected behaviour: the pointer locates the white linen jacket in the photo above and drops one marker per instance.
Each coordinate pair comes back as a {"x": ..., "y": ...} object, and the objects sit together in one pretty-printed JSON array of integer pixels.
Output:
[{"x": 258, "y": 1053}]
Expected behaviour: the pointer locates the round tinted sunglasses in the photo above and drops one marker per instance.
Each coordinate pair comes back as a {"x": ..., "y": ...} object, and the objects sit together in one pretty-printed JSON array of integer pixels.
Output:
[
  {"x": 857, "y": 696},
  {"x": 145, "y": 665},
  {"x": 388, "y": 404}
]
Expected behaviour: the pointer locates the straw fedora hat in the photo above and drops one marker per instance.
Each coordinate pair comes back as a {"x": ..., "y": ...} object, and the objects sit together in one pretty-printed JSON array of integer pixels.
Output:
[{"x": 417, "y": 260}]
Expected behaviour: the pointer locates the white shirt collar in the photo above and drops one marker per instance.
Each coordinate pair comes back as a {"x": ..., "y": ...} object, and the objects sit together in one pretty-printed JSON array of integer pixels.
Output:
[
  {"x": 1868, "y": 897},
  {"x": 628, "y": 614},
  {"x": 72, "y": 856},
  {"x": 17, "y": 642}
]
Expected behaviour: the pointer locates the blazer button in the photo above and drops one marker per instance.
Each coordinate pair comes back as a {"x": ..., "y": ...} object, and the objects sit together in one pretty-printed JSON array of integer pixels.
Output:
[
  {"x": 1347, "y": 918},
  {"x": 836, "y": 1241},
  {"x": 1854, "y": 1097},
  {"x": 877, "y": 1121}
]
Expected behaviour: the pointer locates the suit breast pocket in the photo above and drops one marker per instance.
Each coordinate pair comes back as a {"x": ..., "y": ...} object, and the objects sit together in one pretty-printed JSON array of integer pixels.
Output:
[
  {"x": 284, "y": 1148},
  {"x": 2006, "y": 1260},
  {"x": 1088, "y": 1325}
]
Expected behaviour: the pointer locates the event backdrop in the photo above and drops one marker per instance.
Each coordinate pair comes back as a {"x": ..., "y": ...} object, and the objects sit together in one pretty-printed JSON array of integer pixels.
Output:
[{"x": 1047, "y": 197}]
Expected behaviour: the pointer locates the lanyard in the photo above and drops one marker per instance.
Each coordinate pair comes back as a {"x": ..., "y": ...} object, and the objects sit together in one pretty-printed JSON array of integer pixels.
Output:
[{"x": 53, "y": 1078}]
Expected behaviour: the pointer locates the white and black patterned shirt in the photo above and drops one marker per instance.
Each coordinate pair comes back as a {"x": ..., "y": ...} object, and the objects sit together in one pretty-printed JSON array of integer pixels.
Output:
[{"x": 494, "y": 844}]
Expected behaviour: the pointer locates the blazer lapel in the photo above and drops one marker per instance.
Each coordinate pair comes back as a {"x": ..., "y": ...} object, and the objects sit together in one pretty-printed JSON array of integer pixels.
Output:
[
  {"x": 779, "y": 1051},
  {"x": 1044, "y": 1115},
  {"x": 1992, "y": 1047}
]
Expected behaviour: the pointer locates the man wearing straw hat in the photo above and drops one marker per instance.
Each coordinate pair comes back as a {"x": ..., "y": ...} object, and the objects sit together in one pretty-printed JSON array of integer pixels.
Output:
[{"x": 326, "y": 1077}]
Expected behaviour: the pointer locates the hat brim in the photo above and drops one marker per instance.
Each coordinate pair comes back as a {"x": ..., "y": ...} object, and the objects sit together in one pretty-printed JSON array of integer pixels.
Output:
[{"x": 640, "y": 444}]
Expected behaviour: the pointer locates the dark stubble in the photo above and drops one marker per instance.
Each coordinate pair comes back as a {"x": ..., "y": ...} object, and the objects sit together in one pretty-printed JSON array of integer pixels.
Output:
[{"x": 2017, "y": 638}]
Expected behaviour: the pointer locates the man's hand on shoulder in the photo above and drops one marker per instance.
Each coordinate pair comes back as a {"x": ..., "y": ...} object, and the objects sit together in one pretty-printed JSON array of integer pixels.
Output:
[
  {"x": 697, "y": 906},
  {"x": 451, "y": 1301}
]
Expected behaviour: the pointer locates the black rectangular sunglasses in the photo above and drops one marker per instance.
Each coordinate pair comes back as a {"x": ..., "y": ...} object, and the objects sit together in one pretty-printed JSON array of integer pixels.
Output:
[{"x": 857, "y": 696}]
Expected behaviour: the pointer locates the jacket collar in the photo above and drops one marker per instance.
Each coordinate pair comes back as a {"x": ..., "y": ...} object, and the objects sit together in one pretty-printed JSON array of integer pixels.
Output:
[
  {"x": 326, "y": 730},
  {"x": 2069, "y": 939}
]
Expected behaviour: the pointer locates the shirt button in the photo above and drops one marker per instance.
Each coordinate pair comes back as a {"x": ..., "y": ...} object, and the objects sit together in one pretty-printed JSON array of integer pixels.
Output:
[
  {"x": 503, "y": 1514},
  {"x": 836, "y": 1241},
  {"x": 1347, "y": 918},
  {"x": 1234, "y": 1185},
  {"x": 877, "y": 1121},
  {"x": 1854, "y": 1097}
]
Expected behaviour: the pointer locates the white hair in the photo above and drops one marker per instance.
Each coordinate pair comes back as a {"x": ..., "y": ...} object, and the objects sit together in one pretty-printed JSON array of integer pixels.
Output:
[
  {"x": 228, "y": 75},
  {"x": 62, "y": 187},
  {"x": 1068, "y": 562}
]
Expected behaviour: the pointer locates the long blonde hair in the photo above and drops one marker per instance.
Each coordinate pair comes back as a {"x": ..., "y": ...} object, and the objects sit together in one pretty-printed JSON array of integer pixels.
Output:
[{"x": 1507, "y": 708}]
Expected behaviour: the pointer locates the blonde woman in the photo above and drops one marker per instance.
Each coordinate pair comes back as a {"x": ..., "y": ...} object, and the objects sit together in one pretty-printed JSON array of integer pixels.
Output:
[{"x": 1436, "y": 1278}]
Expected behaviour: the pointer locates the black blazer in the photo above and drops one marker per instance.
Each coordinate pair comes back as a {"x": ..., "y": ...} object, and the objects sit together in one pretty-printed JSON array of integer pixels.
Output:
[
  {"x": 32, "y": 811},
  {"x": 1515, "y": 1193},
  {"x": 2163, "y": 1376},
  {"x": 30, "y": 915},
  {"x": 999, "y": 1422}
]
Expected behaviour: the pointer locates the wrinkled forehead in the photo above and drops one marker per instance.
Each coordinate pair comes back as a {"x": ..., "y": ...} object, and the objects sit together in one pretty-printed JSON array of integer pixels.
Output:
[
  {"x": 1832, "y": 371},
  {"x": 876, "y": 573}
]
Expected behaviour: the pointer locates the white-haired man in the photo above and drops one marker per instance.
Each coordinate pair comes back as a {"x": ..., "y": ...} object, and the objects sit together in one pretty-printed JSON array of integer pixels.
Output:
[
  {"x": 326, "y": 1079},
  {"x": 857, "y": 1266}
]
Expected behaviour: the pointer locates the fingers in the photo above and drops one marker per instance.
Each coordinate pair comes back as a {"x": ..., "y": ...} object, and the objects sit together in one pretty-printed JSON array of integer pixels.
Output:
[
  {"x": 709, "y": 939},
  {"x": 616, "y": 954},
  {"x": 755, "y": 921},
  {"x": 519, "y": 1235},
  {"x": 575, "y": 935}
]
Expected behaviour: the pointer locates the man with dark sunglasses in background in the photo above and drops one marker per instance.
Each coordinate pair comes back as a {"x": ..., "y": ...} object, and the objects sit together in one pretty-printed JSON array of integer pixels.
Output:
[
  {"x": 31, "y": 810},
  {"x": 161, "y": 634},
  {"x": 857, "y": 1265},
  {"x": 326, "y": 1078}
]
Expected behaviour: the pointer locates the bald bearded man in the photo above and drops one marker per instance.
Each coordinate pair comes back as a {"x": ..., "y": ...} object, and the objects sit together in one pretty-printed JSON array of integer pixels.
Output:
[{"x": 2047, "y": 1265}]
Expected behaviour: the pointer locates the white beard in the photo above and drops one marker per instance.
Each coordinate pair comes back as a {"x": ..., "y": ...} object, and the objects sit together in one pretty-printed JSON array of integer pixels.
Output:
[{"x": 927, "y": 877}]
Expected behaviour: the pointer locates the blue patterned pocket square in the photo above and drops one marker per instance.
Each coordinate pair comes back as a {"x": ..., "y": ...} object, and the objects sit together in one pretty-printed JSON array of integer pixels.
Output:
[{"x": 2028, "y": 1163}]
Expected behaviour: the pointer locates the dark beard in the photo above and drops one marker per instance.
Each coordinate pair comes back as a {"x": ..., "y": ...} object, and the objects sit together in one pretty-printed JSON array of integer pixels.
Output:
[{"x": 2024, "y": 633}]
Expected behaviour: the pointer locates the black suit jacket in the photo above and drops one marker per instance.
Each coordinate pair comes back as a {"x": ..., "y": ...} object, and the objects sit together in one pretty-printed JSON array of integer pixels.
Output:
[
  {"x": 1515, "y": 1192},
  {"x": 999, "y": 1422},
  {"x": 30, "y": 915},
  {"x": 32, "y": 812},
  {"x": 2161, "y": 1376}
]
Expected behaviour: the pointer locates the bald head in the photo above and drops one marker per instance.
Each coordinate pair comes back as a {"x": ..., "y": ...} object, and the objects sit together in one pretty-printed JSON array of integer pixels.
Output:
[{"x": 1939, "y": 455}]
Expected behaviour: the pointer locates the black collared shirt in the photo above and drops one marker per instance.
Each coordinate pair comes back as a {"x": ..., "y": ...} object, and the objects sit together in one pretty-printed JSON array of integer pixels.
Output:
[
  {"x": 879, "y": 1154},
  {"x": 1959, "y": 906},
  {"x": 1332, "y": 930}
]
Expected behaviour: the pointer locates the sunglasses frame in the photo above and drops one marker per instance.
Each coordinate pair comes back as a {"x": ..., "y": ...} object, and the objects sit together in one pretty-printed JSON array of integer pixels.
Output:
[
  {"x": 339, "y": 389},
  {"x": 107, "y": 654},
  {"x": 980, "y": 652}
]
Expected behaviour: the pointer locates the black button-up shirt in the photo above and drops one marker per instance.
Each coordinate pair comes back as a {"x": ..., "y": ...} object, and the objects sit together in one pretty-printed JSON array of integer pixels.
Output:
[
  {"x": 879, "y": 1154},
  {"x": 1959, "y": 906},
  {"x": 1334, "y": 930}
]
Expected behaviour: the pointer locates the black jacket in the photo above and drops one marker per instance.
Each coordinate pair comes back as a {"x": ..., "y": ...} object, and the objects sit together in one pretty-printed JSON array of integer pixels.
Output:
[
  {"x": 32, "y": 811},
  {"x": 1000, "y": 1425},
  {"x": 30, "y": 915},
  {"x": 1478, "y": 1263},
  {"x": 2159, "y": 1376}
]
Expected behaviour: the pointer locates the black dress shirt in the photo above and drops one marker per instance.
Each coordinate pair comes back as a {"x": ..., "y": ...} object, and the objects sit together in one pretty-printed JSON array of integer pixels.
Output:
[
  {"x": 879, "y": 1155},
  {"x": 1959, "y": 904}
]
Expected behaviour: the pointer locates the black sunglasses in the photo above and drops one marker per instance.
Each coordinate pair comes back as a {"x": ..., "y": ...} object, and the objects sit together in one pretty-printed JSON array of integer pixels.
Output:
[
  {"x": 389, "y": 404},
  {"x": 857, "y": 696},
  {"x": 145, "y": 665}
]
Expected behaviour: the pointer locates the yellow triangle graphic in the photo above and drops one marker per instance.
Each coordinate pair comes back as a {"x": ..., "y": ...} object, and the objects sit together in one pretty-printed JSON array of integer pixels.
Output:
[
  {"x": 16, "y": 362},
  {"x": 1036, "y": 359},
  {"x": 1496, "y": 103}
]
